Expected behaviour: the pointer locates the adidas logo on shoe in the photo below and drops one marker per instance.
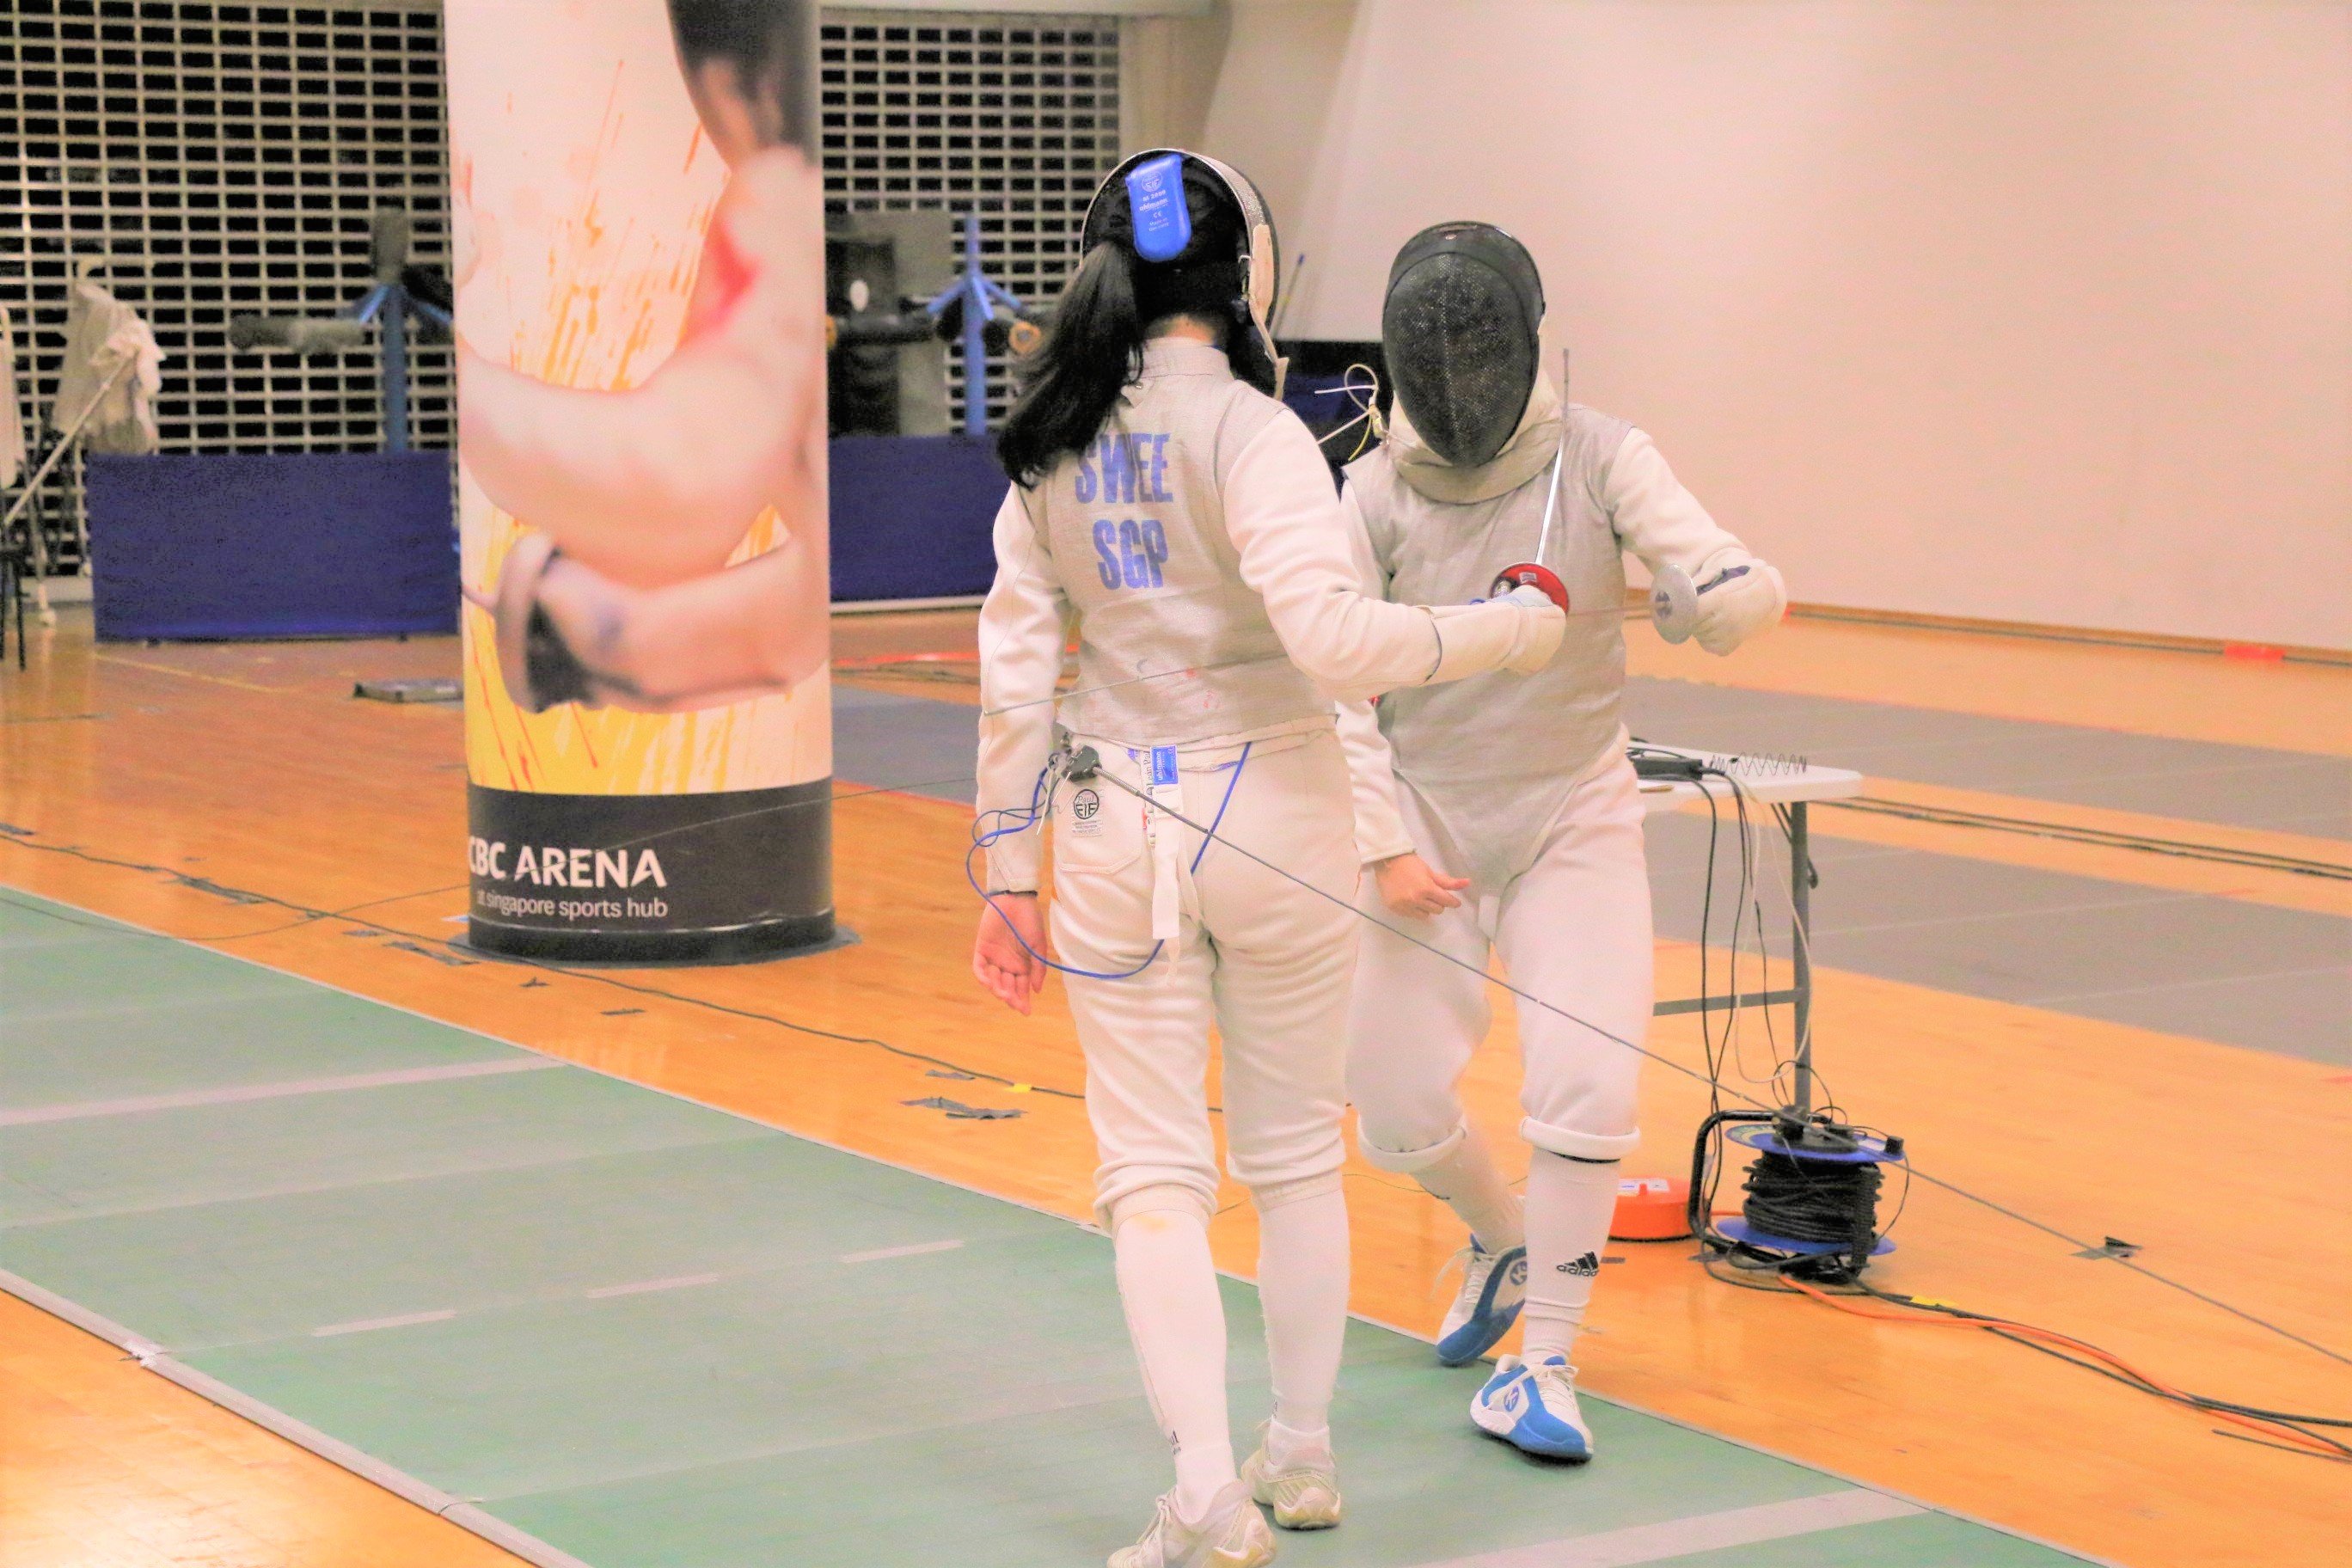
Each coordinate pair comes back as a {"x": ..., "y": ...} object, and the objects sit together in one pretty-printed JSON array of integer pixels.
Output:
[{"x": 1584, "y": 1267}]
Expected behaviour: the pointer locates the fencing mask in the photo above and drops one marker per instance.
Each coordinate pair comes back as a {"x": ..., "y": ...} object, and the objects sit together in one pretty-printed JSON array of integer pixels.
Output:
[
  {"x": 1459, "y": 330},
  {"x": 1140, "y": 179}
]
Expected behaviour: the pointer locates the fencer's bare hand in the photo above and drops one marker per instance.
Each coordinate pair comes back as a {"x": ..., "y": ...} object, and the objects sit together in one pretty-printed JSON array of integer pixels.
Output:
[
  {"x": 998, "y": 959},
  {"x": 1412, "y": 886}
]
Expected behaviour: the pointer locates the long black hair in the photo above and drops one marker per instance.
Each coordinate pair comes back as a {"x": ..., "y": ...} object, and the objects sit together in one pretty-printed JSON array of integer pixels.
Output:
[{"x": 1094, "y": 350}]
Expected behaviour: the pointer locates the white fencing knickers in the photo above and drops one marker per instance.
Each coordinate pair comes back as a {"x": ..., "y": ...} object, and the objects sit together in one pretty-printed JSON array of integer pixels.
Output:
[
  {"x": 1573, "y": 929},
  {"x": 1267, "y": 961}
]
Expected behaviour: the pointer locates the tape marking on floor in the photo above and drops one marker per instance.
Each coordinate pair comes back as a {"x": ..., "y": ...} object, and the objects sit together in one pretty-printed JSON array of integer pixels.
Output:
[
  {"x": 879, "y": 1253},
  {"x": 27, "y": 1116},
  {"x": 369, "y": 1325},
  {"x": 640, "y": 1287},
  {"x": 1700, "y": 1532}
]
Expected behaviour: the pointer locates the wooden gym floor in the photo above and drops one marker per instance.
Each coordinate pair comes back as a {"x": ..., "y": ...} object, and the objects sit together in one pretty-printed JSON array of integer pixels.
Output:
[{"x": 236, "y": 796}]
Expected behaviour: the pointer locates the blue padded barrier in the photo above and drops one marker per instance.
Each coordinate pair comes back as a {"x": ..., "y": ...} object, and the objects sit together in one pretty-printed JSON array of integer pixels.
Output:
[
  {"x": 913, "y": 515},
  {"x": 272, "y": 544}
]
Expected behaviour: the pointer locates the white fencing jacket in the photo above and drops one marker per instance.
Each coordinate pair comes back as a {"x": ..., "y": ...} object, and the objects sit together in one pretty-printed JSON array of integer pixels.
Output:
[
  {"x": 1196, "y": 544},
  {"x": 1494, "y": 757}
]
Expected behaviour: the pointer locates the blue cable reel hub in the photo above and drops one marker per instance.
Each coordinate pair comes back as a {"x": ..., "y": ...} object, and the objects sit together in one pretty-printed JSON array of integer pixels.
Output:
[{"x": 1767, "y": 1137}]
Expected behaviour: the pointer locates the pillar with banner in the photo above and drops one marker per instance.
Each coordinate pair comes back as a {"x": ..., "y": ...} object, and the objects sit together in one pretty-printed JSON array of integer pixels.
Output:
[{"x": 640, "y": 294}]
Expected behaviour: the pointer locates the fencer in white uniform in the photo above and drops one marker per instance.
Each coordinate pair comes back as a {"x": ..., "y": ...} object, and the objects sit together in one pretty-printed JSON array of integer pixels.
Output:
[
  {"x": 1501, "y": 815},
  {"x": 1182, "y": 523}
]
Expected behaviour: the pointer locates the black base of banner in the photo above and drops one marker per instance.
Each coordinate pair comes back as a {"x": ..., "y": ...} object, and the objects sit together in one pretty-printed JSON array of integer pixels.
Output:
[
  {"x": 630, "y": 950},
  {"x": 734, "y": 877},
  {"x": 694, "y": 959}
]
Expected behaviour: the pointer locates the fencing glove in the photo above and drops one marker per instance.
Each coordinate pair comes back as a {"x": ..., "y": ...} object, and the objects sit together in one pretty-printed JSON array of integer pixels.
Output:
[
  {"x": 1748, "y": 605},
  {"x": 1518, "y": 632}
]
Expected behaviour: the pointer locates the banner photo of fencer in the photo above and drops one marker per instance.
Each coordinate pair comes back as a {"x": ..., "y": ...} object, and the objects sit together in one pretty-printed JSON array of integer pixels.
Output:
[{"x": 640, "y": 289}]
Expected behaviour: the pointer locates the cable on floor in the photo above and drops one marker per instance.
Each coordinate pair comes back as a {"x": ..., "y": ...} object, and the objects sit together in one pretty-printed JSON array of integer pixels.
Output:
[{"x": 2288, "y": 1431}]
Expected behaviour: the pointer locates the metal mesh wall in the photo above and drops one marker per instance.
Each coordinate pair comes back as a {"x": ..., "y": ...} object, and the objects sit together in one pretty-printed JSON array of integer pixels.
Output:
[
  {"x": 214, "y": 160},
  {"x": 1014, "y": 116}
]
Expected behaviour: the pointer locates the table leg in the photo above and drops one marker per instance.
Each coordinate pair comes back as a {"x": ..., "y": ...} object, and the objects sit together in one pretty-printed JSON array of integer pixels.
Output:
[{"x": 1801, "y": 903}]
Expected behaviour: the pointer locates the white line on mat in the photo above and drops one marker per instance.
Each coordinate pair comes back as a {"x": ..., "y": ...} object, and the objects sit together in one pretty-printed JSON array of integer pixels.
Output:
[
  {"x": 639, "y": 1287},
  {"x": 25, "y": 1116},
  {"x": 879, "y": 1253},
  {"x": 367, "y": 1325},
  {"x": 1700, "y": 1532}
]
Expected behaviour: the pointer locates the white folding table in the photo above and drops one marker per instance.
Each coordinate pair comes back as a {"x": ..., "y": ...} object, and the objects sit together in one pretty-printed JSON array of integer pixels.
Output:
[{"x": 1769, "y": 781}]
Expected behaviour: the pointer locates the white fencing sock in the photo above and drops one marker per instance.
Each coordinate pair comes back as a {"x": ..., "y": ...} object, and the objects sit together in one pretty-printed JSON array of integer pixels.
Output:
[
  {"x": 1302, "y": 1285},
  {"x": 1570, "y": 1203},
  {"x": 1471, "y": 1186},
  {"x": 1167, "y": 1286}
]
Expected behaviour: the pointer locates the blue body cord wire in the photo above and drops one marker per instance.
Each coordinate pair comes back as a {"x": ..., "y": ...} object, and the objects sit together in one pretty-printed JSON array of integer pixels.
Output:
[{"x": 1021, "y": 820}]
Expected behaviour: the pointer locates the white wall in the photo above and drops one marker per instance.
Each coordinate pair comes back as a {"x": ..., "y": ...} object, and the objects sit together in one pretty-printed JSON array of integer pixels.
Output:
[{"x": 2027, "y": 310}]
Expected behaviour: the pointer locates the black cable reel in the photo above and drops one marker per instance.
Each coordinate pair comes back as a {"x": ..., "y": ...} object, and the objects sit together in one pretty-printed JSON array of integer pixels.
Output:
[{"x": 1810, "y": 1210}]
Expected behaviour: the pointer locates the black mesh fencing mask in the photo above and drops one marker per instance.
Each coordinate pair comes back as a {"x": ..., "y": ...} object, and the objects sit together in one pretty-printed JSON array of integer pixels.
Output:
[{"x": 1459, "y": 329}]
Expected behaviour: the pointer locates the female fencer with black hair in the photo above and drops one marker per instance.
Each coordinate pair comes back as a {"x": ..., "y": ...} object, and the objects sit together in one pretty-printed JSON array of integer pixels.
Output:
[
  {"x": 1501, "y": 817},
  {"x": 1182, "y": 521}
]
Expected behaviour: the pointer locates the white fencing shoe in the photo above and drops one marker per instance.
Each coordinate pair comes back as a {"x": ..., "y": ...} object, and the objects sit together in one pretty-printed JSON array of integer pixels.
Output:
[
  {"x": 1533, "y": 1408},
  {"x": 1302, "y": 1490},
  {"x": 1233, "y": 1535},
  {"x": 1494, "y": 1287}
]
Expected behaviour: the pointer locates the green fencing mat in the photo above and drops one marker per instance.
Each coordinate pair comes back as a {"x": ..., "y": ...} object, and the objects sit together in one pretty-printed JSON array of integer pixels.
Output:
[{"x": 621, "y": 1328}]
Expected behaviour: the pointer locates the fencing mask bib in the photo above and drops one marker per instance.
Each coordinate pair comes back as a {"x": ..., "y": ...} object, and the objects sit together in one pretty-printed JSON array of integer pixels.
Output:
[{"x": 1459, "y": 330}]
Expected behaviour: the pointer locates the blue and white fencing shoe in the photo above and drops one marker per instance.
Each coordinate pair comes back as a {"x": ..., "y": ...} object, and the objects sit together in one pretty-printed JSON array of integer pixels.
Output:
[
  {"x": 1494, "y": 1286},
  {"x": 1533, "y": 1408}
]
